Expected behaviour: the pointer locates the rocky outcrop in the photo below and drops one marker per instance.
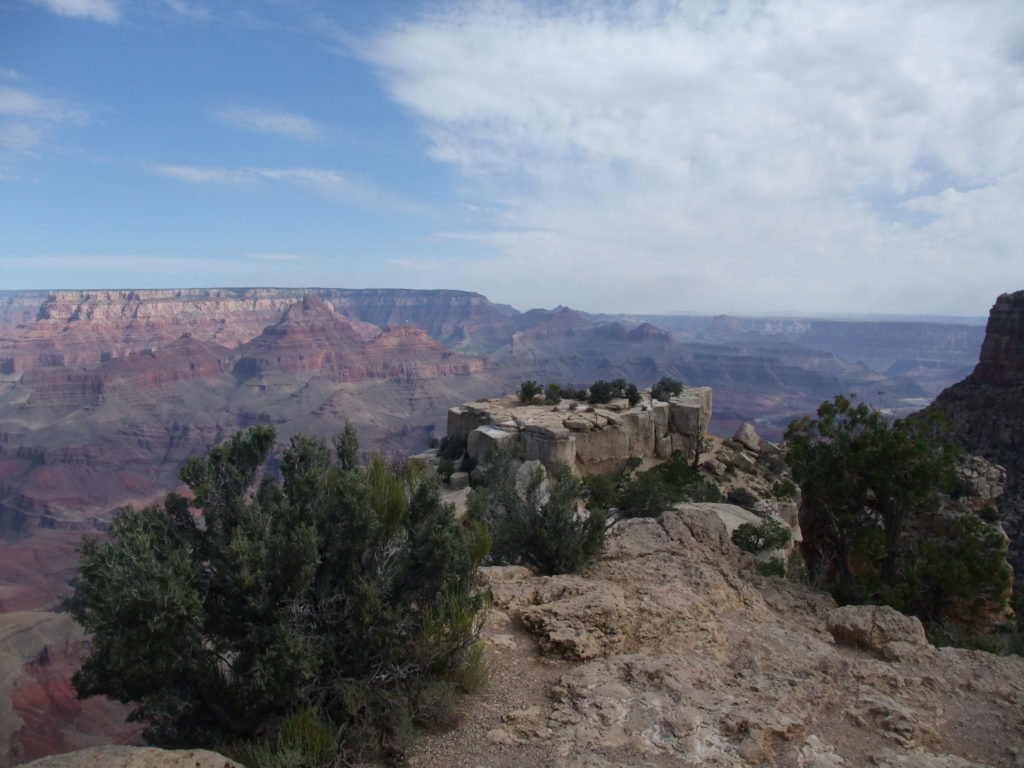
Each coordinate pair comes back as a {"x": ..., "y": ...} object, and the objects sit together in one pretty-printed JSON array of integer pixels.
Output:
[
  {"x": 987, "y": 412},
  {"x": 590, "y": 439},
  {"x": 136, "y": 757},
  {"x": 668, "y": 651},
  {"x": 875, "y": 628}
]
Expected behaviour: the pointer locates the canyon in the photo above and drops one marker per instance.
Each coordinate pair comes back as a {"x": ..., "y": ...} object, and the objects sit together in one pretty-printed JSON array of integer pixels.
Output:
[{"x": 104, "y": 393}]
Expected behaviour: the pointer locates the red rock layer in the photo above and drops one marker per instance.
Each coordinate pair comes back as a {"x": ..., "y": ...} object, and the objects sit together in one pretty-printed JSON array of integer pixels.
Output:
[{"x": 54, "y": 719}]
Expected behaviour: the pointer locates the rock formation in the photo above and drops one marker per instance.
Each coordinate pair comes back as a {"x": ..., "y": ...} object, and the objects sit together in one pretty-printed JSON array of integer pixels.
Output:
[
  {"x": 136, "y": 757},
  {"x": 987, "y": 412},
  {"x": 590, "y": 439},
  {"x": 669, "y": 651}
]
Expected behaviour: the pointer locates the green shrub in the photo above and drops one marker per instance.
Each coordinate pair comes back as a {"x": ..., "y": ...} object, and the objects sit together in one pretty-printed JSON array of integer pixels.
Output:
[
  {"x": 872, "y": 495},
  {"x": 346, "y": 592},
  {"x": 768, "y": 535},
  {"x": 528, "y": 390},
  {"x": 647, "y": 496},
  {"x": 600, "y": 491},
  {"x": 663, "y": 486},
  {"x": 531, "y": 527},
  {"x": 451, "y": 447},
  {"x": 666, "y": 388},
  {"x": 604, "y": 391},
  {"x": 772, "y": 567},
  {"x": 303, "y": 739},
  {"x": 784, "y": 490},
  {"x": 445, "y": 467}
]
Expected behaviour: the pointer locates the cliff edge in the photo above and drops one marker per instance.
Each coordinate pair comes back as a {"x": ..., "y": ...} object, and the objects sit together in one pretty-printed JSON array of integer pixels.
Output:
[{"x": 987, "y": 412}]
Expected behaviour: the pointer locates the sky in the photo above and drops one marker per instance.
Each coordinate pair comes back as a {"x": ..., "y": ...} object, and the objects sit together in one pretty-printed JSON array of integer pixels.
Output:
[{"x": 769, "y": 156}]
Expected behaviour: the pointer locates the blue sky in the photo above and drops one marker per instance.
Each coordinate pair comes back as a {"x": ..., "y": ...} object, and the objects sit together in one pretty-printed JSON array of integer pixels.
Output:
[{"x": 861, "y": 156}]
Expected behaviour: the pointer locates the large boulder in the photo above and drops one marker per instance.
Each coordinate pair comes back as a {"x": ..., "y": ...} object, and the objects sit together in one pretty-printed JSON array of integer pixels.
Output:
[
  {"x": 135, "y": 757},
  {"x": 747, "y": 436},
  {"x": 875, "y": 628}
]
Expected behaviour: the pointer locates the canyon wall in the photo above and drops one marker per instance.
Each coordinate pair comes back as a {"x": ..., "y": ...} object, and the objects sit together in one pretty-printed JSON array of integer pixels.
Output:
[{"x": 987, "y": 412}]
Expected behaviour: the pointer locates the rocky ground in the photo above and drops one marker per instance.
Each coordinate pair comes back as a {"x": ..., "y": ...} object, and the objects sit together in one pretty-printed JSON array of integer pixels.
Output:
[{"x": 670, "y": 651}]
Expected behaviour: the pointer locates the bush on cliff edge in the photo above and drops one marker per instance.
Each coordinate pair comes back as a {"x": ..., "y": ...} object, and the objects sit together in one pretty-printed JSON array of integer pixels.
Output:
[{"x": 347, "y": 590}]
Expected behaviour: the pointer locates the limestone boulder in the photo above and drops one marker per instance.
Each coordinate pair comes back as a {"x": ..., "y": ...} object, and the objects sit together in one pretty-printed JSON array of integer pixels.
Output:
[
  {"x": 458, "y": 481},
  {"x": 875, "y": 628},
  {"x": 747, "y": 436},
  {"x": 480, "y": 440},
  {"x": 135, "y": 757},
  {"x": 690, "y": 411}
]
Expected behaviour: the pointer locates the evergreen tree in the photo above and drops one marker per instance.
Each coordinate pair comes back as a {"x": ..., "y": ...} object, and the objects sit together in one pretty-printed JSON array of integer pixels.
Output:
[{"x": 349, "y": 591}]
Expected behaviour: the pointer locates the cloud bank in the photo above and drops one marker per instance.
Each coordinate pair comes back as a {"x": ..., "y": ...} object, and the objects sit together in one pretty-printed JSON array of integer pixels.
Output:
[{"x": 757, "y": 155}]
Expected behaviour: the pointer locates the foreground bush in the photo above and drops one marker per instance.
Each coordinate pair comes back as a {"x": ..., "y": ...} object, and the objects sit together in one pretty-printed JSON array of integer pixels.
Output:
[
  {"x": 532, "y": 525},
  {"x": 347, "y": 595}
]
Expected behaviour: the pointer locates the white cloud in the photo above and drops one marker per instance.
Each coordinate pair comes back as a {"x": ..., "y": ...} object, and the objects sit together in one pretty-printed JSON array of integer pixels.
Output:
[
  {"x": 99, "y": 10},
  {"x": 27, "y": 121},
  {"x": 275, "y": 123},
  {"x": 325, "y": 181},
  {"x": 189, "y": 11},
  {"x": 737, "y": 155}
]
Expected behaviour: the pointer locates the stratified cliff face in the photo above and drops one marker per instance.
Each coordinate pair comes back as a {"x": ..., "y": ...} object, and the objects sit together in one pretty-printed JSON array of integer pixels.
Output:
[
  {"x": 987, "y": 410},
  {"x": 64, "y": 328}
]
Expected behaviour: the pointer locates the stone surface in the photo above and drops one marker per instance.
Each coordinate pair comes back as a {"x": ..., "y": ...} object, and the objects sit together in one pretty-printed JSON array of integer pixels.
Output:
[
  {"x": 670, "y": 652},
  {"x": 458, "y": 481},
  {"x": 591, "y": 441},
  {"x": 747, "y": 436},
  {"x": 135, "y": 757},
  {"x": 874, "y": 627}
]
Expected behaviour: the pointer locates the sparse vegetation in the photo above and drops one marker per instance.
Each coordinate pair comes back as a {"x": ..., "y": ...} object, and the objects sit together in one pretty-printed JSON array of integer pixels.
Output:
[
  {"x": 529, "y": 390},
  {"x": 554, "y": 393},
  {"x": 784, "y": 490},
  {"x": 533, "y": 524},
  {"x": 334, "y": 609},
  {"x": 666, "y": 388},
  {"x": 645, "y": 494},
  {"x": 604, "y": 391},
  {"x": 772, "y": 567},
  {"x": 872, "y": 490},
  {"x": 770, "y": 534}
]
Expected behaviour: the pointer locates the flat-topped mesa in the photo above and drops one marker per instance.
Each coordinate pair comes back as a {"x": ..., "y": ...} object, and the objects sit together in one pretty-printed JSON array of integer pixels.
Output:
[{"x": 591, "y": 439}]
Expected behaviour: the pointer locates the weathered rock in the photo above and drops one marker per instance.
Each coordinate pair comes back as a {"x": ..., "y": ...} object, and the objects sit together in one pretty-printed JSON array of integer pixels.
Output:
[
  {"x": 135, "y": 757},
  {"x": 594, "y": 440},
  {"x": 747, "y": 436},
  {"x": 875, "y": 627},
  {"x": 458, "y": 481}
]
